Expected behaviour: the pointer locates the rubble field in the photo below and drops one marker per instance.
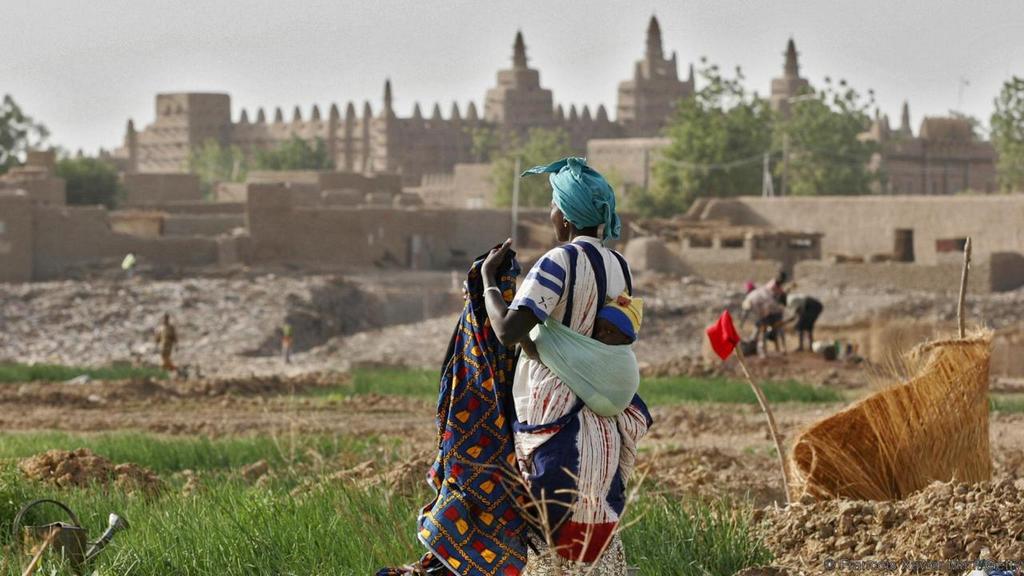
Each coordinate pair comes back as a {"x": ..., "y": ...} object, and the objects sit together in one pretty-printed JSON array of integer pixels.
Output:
[
  {"x": 235, "y": 383},
  {"x": 231, "y": 326}
]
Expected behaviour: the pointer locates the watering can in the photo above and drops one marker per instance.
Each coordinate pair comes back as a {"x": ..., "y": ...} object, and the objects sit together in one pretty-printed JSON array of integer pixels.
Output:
[{"x": 66, "y": 539}]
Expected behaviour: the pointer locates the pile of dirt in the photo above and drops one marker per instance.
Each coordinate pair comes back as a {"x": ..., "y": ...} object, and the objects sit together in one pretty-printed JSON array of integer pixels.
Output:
[
  {"x": 402, "y": 477},
  {"x": 104, "y": 393},
  {"x": 712, "y": 473},
  {"x": 945, "y": 522},
  {"x": 82, "y": 468}
]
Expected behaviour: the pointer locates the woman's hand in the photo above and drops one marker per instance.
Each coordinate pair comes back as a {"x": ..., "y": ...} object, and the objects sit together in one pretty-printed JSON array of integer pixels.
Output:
[
  {"x": 530, "y": 349},
  {"x": 494, "y": 259}
]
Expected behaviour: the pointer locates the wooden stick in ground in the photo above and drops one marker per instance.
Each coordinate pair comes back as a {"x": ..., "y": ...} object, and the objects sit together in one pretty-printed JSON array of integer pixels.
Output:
[
  {"x": 771, "y": 423},
  {"x": 963, "y": 289},
  {"x": 31, "y": 568}
]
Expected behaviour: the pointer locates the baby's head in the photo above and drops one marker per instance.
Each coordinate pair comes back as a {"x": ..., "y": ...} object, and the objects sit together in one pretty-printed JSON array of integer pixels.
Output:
[{"x": 618, "y": 321}]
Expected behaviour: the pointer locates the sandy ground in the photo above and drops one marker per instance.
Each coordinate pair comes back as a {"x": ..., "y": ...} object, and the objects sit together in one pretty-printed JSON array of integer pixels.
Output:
[{"x": 230, "y": 326}]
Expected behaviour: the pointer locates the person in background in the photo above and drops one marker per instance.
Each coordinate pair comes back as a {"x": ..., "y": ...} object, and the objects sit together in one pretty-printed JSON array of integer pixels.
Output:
[
  {"x": 167, "y": 339},
  {"x": 286, "y": 343},
  {"x": 805, "y": 311},
  {"x": 768, "y": 313},
  {"x": 128, "y": 265}
]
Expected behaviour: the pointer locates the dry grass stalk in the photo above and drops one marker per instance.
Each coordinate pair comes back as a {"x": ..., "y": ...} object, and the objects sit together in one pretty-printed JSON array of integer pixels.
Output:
[
  {"x": 34, "y": 564},
  {"x": 772, "y": 428},
  {"x": 934, "y": 426},
  {"x": 960, "y": 319}
]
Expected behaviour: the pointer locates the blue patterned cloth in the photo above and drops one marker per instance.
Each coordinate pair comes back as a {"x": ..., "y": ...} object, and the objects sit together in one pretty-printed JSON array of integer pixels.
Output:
[{"x": 473, "y": 526}]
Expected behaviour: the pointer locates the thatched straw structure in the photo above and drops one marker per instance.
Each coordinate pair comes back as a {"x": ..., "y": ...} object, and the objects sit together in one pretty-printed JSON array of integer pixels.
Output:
[{"x": 933, "y": 426}]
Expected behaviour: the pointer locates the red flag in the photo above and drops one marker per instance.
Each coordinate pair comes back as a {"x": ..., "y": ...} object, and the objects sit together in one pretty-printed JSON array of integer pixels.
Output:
[{"x": 723, "y": 335}]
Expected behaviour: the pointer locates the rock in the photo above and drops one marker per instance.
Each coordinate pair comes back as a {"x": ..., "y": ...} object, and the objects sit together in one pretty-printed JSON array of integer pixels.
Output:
[
  {"x": 256, "y": 470},
  {"x": 764, "y": 571}
]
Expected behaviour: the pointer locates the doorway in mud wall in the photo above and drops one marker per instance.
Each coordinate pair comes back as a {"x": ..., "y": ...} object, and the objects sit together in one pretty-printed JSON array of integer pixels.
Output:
[
  {"x": 416, "y": 253},
  {"x": 903, "y": 249}
]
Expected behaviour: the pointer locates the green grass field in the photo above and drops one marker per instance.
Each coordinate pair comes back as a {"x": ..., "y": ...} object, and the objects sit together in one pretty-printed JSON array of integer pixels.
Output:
[
  {"x": 230, "y": 527},
  {"x": 173, "y": 454},
  {"x": 13, "y": 372},
  {"x": 655, "y": 391},
  {"x": 1006, "y": 403},
  {"x": 683, "y": 389}
]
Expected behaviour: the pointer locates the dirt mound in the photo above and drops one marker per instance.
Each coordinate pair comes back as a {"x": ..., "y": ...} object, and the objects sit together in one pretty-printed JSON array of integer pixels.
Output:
[
  {"x": 82, "y": 468},
  {"x": 712, "y": 473},
  {"x": 399, "y": 477},
  {"x": 109, "y": 394},
  {"x": 945, "y": 522}
]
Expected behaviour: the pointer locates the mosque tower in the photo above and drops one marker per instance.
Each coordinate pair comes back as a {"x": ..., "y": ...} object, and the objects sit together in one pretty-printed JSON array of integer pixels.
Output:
[
  {"x": 518, "y": 102},
  {"x": 790, "y": 84},
  {"x": 647, "y": 101}
]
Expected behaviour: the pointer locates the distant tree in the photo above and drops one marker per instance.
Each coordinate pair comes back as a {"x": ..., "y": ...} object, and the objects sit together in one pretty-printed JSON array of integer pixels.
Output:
[
  {"x": 19, "y": 133},
  {"x": 487, "y": 142},
  {"x": 214, "y": 163},
  {"x": 542, "y": 146},
  {"x": 90, "y": 181},
  {"x": 295, "y": 154},
  {"x": 825, "y": 154},
  {"x": 1008, "y": 134},
  {"x": 718, "y": 138}
]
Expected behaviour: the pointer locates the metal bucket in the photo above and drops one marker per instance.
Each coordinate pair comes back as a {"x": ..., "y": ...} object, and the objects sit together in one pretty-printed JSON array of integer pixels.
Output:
[{"x": 67, "y": 540}]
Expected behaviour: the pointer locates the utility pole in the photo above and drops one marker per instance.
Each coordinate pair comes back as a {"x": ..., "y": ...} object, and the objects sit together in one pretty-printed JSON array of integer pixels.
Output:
[
  {"x": 515, "y": 204},
  {"x": 785, "y": 163},
  {"x": 767, "y": 188},
  {"x": 647, "y": 168}
]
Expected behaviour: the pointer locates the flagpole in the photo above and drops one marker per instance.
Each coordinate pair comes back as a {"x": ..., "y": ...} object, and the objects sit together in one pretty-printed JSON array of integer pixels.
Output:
[{"x": 771, "y": 423}]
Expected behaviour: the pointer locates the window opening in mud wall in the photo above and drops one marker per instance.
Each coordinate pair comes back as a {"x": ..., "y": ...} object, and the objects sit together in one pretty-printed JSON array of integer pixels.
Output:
[
  {"x": 903, "y": 247},
  {"x": 700, "y": 242},
  {"x": 732, "y": 242},
  {"x": 950, "y": 245}
]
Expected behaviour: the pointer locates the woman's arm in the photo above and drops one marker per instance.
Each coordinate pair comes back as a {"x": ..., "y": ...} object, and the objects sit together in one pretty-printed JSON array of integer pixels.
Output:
[{"x": 510, "y": 326}]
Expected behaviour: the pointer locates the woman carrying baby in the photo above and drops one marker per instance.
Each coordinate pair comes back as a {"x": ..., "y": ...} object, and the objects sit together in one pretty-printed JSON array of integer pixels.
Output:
[{"x": 579, "y": 418}]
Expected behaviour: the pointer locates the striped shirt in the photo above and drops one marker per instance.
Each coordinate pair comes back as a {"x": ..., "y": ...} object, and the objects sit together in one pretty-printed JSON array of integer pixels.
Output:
[{"x": 543, "y": 289}]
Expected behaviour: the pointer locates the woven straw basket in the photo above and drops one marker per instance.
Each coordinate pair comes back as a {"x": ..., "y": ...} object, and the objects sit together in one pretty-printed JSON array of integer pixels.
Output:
[{"x": 933, "y": 426}]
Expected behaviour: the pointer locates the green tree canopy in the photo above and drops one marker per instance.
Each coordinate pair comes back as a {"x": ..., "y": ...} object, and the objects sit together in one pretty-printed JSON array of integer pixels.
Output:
[
  {"x": 825, "y": 154},
  {"x": 19, "y": 133},
  {"x": 718, "y": 139},
  {"x": 214, "y": 163},
  {"x": 541, "y": 147},
  {"x": 90, "y": 181},
  {"x": 1008, "y": 134},
  {"x": 295, "y": 154},
  {"x": 488, "y": 142}
]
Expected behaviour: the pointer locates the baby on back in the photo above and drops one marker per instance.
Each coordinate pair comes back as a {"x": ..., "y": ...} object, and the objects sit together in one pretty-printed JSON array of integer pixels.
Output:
[{"x": 618, "y": 321}]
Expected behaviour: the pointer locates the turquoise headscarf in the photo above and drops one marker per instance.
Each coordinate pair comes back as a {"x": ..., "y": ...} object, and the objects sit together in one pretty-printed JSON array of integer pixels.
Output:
[{"x": 582, "y": 194}]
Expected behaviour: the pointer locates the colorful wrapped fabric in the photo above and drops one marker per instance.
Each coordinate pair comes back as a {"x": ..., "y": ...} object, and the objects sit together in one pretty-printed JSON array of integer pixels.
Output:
[{"x": 473, "y": 527}]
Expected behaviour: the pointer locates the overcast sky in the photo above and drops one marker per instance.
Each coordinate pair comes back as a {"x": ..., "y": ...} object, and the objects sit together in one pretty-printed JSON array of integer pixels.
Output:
[{"x": 84, "y": 68}]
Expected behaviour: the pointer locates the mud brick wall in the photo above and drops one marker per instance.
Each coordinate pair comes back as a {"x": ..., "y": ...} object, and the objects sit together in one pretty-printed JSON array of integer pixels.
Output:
[
  {"x": 943, "y": 278},
  {"x": 16, "y": 243},
  {"x": 865, "y": 225},
  {"x": 70, "y": 237},
  {"x": 161, "y": 188}
]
